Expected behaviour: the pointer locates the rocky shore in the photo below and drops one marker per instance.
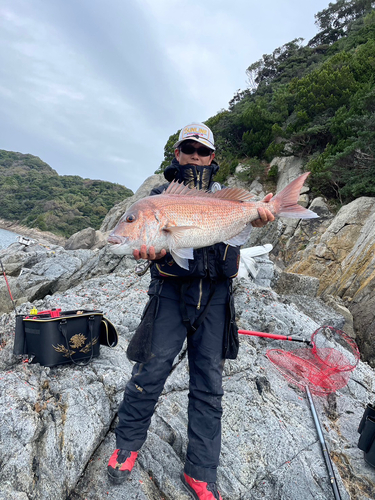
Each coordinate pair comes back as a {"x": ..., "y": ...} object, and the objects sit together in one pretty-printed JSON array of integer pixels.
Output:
[
  {"x": 43, "y": 237},
  {"x": 57, "y": 429}
]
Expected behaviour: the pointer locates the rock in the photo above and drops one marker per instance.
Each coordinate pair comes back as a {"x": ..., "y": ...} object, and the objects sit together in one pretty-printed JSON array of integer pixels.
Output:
[
  {"x": 240, "y": 181},
  {"x": 299, "y": 234},
  {"x": 234, "y": 182},
  {"x": 118, "y": 210},
  {"x": 296, "y": 284},
  {"x": 348, "y": 327},
  {"x": 289, "y": 168},
  {"x": 88, "y": 238},
  {"x": 343, "y": 259},
  {"x": 304, "y": 200},
  {"x": 289, "y": 236},
  {"x": 36, "y": 271},
  {"x": 265, "y": 268},
  {"x": 57, "y": 423},
  {"x": 302, "y": 291}
]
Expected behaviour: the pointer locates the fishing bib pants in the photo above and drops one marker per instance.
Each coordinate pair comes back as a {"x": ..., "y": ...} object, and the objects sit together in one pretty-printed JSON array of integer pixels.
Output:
[{"x": 205, "y": 355}]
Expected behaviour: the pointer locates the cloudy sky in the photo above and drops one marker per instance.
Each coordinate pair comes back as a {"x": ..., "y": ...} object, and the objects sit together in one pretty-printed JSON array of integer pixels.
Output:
[{"x": 96, "y": 87}]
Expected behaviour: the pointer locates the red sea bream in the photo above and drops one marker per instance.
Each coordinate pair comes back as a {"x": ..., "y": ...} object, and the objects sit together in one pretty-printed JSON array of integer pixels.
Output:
[{"x": 182, "y": 219}]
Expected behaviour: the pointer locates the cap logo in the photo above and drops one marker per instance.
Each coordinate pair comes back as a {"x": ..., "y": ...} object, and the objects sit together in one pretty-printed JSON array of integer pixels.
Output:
[{"x": 199, "y": 131}]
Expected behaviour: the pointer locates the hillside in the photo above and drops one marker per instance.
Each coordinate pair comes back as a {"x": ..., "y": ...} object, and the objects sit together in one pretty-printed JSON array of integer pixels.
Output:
[
  {"x": 34, "y": 195},
  {"x": 315, "y": 101}
]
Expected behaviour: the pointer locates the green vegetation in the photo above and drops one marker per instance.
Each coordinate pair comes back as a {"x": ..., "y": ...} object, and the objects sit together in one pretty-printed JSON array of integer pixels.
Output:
[
  {"x": 315, "y": 101},
  {"x": 33, "y": 194}
]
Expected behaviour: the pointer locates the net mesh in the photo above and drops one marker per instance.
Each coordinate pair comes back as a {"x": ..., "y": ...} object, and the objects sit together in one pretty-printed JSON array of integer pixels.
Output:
[{"x": 326, "y": 367}]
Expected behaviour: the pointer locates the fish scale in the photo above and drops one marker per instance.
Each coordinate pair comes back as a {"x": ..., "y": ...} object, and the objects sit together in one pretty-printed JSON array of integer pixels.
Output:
[{"x": 220, "y": 220}]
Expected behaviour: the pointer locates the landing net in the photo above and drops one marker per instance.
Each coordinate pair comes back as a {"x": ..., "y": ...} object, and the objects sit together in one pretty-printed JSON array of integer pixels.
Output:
[{"x": 326, "y": 367}]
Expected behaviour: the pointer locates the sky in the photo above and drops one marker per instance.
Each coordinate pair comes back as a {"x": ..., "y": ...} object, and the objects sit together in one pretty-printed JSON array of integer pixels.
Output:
[{"x": 96, "y": 87}]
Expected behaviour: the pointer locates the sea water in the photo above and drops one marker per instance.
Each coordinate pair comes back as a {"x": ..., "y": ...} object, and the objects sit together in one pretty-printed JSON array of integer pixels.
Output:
[{"x": 7, "y": 238}]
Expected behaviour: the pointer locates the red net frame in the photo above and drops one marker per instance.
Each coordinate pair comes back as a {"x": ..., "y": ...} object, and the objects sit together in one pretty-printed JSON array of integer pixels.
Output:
[{"x": 326, "y": 367}]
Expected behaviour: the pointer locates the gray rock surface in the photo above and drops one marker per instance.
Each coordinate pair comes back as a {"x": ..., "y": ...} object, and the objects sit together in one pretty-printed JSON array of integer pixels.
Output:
[
  {"x": 291, "y": 283},
  {"x": 291, "y": 287},
  {"x": 289, "y": 168},
  {"x": 57, "y": 423},
  {"x": 37, "y": 270},
  {"x": 88, "y": 238}
]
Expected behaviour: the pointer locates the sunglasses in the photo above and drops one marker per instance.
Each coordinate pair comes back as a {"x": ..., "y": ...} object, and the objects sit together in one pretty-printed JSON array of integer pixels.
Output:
[{"x": 189, "y": 149}]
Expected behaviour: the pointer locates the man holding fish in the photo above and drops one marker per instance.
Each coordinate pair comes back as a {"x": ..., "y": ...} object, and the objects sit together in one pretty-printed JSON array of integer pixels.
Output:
[{"x": 191, "y": 229}]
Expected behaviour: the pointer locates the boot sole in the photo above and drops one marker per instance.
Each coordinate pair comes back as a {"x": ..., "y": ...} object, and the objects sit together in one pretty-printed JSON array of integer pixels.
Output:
[{"x": 119, "y": 479}]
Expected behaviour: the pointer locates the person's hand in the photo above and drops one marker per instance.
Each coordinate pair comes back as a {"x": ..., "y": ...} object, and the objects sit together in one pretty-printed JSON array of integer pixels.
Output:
[
  {"x": 142, "y": 253},
  {"x": 264, "y": 214}
]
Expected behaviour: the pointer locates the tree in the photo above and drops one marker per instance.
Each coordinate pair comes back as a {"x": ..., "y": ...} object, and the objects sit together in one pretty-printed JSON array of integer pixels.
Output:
[
  {"x": 266, "y": 69},
  {"x": 337, "y": 18}
]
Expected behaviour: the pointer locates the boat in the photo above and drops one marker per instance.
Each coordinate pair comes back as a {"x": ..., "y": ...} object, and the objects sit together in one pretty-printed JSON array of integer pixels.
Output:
[{"x": 25, "y": 241}]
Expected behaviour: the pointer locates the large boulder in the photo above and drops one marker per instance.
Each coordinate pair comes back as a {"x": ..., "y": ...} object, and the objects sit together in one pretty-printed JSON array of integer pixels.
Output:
[
  {"x": 88, "y": 238},
  {"x": 343, "y": 259}
]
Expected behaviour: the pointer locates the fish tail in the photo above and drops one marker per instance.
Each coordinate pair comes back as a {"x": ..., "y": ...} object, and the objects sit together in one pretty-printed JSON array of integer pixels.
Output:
[{"x": 285, "y": 202}]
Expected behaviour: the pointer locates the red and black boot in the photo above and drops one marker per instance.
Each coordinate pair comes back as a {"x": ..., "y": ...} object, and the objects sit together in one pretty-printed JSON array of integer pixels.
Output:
[
  {"x": 121, "y": 464},
  {"x": 199, "y": 489}
]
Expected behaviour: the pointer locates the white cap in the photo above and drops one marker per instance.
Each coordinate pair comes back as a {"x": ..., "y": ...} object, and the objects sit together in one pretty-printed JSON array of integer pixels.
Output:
[{"x": 196, "y": 132}]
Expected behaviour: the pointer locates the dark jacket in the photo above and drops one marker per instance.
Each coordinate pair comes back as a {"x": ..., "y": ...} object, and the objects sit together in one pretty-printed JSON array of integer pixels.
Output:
[{"x": 217, "y": 263}]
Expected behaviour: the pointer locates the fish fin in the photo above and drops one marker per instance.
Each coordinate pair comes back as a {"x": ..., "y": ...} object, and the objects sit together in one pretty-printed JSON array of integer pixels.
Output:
[
  {"x": 240, "y": 238},
  {"x": 285, "y": 202},
  {"x": 177, "y": 232},
  {"x": 233, "y": 194},
  {"x": 182, "y": 255},
  {"x": 175, "y": 187}
]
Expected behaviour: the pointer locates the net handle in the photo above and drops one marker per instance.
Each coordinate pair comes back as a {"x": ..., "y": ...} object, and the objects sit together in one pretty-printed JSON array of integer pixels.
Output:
[
  {"x": 275, "y": 336},
  {"x": 323, "y": 444}
]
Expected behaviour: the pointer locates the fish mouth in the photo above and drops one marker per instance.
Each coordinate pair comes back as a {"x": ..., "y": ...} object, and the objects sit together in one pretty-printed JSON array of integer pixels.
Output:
[
  {"x": 119, "y": 245},
  {"x": 114, "y": 239}
]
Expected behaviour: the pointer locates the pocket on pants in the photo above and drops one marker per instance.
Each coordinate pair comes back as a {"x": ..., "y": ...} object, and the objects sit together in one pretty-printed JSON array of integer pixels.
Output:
[
  {"x": 139, "y": 348},
  {"x": 231, "y": 341}
]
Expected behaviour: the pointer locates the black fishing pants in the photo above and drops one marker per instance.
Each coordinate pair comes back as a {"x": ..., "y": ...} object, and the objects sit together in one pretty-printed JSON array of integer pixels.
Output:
[{"x": 205, "y": 352}]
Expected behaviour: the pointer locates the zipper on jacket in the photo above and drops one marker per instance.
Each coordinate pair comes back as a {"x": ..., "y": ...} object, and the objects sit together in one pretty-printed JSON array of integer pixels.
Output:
[
  {"x": 200, "y": 294},
  {"x": 225, "y": 253},
  {"x": 205, "y": 262}
]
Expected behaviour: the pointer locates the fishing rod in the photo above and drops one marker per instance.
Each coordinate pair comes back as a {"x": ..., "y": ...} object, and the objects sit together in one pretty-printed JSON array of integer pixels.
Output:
[
  {"x": 275, "y": 336},
  {"x": 6, "y": 281}
]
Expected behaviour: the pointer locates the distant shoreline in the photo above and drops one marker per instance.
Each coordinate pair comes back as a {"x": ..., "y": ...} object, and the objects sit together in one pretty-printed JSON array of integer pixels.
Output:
[{"x": 35, "y": 234}]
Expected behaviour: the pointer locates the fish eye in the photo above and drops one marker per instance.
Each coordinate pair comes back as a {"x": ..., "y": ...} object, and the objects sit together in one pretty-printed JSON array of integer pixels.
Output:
[{"x": 130, "y": 218}]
